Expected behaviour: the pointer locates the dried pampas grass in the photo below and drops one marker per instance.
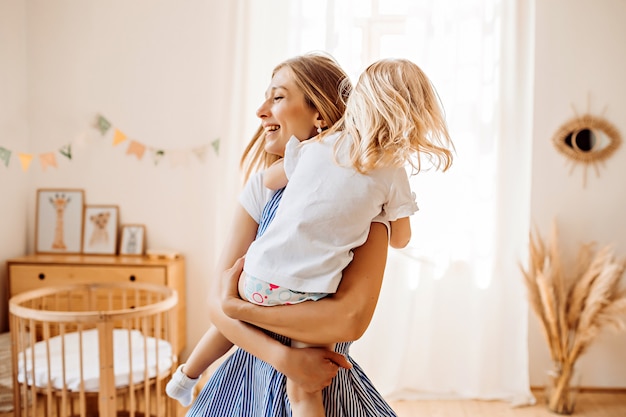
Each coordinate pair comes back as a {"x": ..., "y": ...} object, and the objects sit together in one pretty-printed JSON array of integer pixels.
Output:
[{"x": 572, "y": 310}]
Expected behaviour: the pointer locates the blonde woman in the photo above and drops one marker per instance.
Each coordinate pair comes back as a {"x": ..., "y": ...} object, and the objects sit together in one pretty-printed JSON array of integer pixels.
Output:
[
  {"x": 339, "y": 182},
  {"x": 291, "y": 110}
]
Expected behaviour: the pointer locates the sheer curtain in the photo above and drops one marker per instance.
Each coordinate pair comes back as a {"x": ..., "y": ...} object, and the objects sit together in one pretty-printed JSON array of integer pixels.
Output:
[
  {"x": 452, "y": 317},
  {"x": 250, "y": 62}
]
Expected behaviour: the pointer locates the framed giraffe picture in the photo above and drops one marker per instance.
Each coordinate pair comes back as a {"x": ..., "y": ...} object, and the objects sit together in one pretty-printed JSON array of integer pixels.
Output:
[
  {"x": 133, "y": 239},
  {"x": 59, "y": 220}
]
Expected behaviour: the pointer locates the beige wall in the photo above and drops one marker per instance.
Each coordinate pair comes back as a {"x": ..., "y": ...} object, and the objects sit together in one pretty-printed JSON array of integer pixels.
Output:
[
  {"x": 13, "y": 135},
  {"x": 160, "y": 71},
  {"x": 579, "y": 52}
]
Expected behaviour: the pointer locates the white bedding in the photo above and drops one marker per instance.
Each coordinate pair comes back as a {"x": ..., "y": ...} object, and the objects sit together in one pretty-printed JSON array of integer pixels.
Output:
[{"x": 91, "y": 362}]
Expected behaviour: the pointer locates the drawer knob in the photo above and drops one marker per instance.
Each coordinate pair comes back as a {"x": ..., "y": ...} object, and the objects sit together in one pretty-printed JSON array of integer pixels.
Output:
[
  {"x": 42, "y": 276},
  {"x": 132, "y": 278}
]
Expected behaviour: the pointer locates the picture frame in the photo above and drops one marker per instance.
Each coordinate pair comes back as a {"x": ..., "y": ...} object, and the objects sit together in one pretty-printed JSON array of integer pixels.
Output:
[
  {"x": 59, "y": 220},
  {"x": 133, "y": 239},
  {"x": 101, "y": 228}
]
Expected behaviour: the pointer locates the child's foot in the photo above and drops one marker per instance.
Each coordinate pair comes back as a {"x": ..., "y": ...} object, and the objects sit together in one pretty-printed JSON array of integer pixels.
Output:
[{"x": 180, "y": 387}]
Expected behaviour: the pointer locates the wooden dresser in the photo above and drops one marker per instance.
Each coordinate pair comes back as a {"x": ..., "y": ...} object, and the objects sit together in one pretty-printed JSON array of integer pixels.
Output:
[{"x": 37, "y": 271}]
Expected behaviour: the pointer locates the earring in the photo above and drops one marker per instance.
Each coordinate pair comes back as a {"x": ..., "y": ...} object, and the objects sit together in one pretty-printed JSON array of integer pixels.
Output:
[{"x": 319, "y": 130}]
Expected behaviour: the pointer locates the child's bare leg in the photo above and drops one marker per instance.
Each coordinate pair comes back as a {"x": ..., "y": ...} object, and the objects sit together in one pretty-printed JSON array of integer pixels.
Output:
[
  {"x": 211, "y": 347},
  {"x": 303, "y": 403}
]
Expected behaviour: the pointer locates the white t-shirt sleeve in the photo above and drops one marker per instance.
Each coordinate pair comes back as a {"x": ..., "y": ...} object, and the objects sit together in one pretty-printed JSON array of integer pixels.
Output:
[
  {"x": 292, "y": 155},
  {"x": 401, "y": 202},
  {"x": 254, "y": 196}
]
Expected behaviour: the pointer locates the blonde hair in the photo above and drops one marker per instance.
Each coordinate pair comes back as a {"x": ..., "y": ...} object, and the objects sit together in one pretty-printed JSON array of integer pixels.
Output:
[
  {"x": 394, "y": 117},
  {"x": 326, "y": 88}
]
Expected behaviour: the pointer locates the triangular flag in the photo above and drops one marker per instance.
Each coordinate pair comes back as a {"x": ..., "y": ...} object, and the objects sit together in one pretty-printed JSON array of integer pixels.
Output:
[
  {"x": 48, "y": 160},
  {"x": 200, "y": 153},
  {"x": 157, "y": 155},
  {"x": 118, "y": 138},
  {"x": 102, "y": 124},
  {"x": 136, "y": 148},
  {"x": 25, "y": 159},
  {"x": 177, "y": 158},
  {"x": 216, "y": 146},
  {"x": 66, "y": 151},
  {"x": 5, "y": 155}
]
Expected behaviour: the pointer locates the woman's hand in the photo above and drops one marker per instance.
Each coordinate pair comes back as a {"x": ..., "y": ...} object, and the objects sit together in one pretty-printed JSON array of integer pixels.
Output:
[
  {"x": 230, "y": 289},
  {"x": 312, "y": 368}
]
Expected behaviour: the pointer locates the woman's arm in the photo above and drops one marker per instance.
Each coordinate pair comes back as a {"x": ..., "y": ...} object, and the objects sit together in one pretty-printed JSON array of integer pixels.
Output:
[
  {"x": 340, "y": 317},
  {"x": 311, "y": 368}
]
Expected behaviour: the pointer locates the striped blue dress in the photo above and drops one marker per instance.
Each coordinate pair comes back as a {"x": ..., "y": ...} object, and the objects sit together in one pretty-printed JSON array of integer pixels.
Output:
[{"x": 244, "y": 386}]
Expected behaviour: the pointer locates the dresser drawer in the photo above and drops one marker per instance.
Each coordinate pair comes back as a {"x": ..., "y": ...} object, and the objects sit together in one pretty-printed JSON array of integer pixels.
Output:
[{"x": 29, "y": 277}]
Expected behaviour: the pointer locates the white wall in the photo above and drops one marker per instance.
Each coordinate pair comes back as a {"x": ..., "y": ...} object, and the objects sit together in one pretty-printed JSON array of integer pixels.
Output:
[
  {"x": 13, "y": 135},
  {"x": 161, "y": 71},
  {"x": 156, "y": 69},
  {"x": 580, "y": 53}
]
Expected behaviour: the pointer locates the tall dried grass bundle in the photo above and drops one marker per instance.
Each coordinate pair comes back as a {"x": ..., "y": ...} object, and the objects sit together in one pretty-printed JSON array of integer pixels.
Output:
[{"x": 572, "y": 309}]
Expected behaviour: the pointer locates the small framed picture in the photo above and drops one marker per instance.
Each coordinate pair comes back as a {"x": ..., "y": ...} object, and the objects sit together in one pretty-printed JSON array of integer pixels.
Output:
[
  {"x": 101, "y": 225},
  {"x": 59, "y": 220},
  {"x": 133, "y": 240}
]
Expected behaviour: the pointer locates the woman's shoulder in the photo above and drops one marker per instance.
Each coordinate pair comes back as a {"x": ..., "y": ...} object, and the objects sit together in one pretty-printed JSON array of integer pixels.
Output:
[{"x": 254, "y": 195}]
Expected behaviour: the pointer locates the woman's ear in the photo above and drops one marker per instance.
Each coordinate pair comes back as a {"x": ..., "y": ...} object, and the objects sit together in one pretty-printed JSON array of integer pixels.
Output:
[{"x": 321, "y": 122}]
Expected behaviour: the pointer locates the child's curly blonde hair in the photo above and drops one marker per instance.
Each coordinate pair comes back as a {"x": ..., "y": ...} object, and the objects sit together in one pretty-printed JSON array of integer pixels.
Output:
[{"x": 393, "y": 118}]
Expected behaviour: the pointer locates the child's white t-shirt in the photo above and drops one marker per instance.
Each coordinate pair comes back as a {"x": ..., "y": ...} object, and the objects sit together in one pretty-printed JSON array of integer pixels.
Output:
[{"x": 325, "y": 212}]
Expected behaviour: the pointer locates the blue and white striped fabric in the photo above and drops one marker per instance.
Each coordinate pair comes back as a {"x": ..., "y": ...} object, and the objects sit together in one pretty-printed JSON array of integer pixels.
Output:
[
  {"x": 269, "y": 211},
  {"x": 244, "y": 386}
]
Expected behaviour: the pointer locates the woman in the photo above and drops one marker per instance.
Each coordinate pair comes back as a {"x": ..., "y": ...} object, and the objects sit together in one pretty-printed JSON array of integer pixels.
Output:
[{"x": 303, "y": 96}]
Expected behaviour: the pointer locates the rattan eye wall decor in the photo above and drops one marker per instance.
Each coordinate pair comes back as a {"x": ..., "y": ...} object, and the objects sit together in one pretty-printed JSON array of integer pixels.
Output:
[{"x": 587, "y": 140}]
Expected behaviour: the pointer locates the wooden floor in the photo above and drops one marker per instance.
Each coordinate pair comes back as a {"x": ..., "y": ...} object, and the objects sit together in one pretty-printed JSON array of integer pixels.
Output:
[{"x": 588, "y": 404}]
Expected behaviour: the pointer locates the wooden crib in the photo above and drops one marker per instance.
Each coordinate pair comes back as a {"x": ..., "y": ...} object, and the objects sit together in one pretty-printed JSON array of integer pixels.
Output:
[{"x": 93, "y": 349}]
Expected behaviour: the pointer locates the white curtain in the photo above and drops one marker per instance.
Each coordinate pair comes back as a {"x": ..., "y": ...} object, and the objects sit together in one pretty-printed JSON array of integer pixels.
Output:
[
  {"x": 251, "y": 63},
  {"x": 452, "y": 316}
]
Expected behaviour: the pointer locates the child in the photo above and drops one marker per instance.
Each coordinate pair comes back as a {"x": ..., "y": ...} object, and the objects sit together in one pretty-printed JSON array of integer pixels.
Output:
[{"x": 338, "y": 183}]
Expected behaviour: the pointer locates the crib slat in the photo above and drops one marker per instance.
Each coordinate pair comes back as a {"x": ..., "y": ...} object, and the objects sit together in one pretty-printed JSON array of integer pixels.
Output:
[
  {"x": 31, "y": 326},
  {"x": 46, "y": 338},
  {"x": 146, "y": 379},
  {"x": 14, "y": 324},
  {"x": 107, "y": 400},
  {"x": 82, "y": 400},
  {"x": 64, "y": 392}
]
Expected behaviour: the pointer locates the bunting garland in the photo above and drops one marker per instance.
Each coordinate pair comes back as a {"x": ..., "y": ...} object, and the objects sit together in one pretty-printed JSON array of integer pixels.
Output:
[
  {"x": 66, "y": 151},
  {"x": 47, "y": 160},
  {"x": 5, "y": 156},
  {"x": 25, "y": 160},
  {"x": 118, "y": 137},
  {"x": 177, "y": 157},
  {"x": 136, "y": 148}
]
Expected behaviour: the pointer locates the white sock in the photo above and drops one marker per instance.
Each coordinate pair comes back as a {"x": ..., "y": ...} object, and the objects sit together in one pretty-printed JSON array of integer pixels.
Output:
[{"x": 180, "y": 387}]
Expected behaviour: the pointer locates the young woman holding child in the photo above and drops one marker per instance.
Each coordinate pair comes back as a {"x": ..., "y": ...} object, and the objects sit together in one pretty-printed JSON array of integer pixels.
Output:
[{"x": 366, "y": 151}]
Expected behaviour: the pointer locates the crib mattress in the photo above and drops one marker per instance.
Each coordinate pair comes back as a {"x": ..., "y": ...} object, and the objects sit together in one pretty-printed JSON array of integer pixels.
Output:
[{"x": 124, "y": 347}]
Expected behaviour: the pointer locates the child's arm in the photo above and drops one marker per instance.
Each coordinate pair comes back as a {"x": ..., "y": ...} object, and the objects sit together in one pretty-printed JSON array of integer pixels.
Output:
[
  {"x": 274, "y": 176},
  {"x": 400, "y": 233}
]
